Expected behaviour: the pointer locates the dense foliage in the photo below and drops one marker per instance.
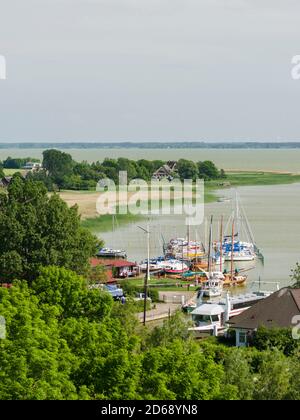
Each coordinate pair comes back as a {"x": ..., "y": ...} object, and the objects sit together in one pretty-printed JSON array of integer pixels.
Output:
[
  {"x": 17, "y": 163},
  {"x": 61, "y": 172},
  {"x": 39, "y": 230},
  {"x": 64, "y": 341},
  {"x": 296, "y": 276}
]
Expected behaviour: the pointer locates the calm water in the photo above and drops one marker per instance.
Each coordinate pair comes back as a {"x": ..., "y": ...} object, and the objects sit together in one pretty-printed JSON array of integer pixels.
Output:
[
  {"x": 271, "y": 159},
  {"x": 273, "y": 213}
]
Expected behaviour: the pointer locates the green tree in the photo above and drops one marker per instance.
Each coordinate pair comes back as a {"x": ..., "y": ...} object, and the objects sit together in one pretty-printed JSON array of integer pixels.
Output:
[
  {"x": 272, "y": 381},
  {"x": 187, "y": 169},
  {"x": 37, "y": 230},
  {"x": 238, "y": 373},
  {"x": 35, "y": 361},
  {"x": 294, "y": 388},
  {"x": 42, "y": 176},
  {"x": 174, "y": 328},
  {"x": 17, "y": 163},
  {"x": 208, "y": 170},
  {"x": 295, "y": 277},
  {"x": 67, "y": 291},
  {"x": 58, "y": 165},
  {"x": 128, "y": 166},
  {"x": 180, "y": 371},
  {"x": 279, "y": 338}
]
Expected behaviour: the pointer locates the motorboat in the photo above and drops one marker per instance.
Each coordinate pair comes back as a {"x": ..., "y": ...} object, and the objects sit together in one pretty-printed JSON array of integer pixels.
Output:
[{"x": 111, "y": 253}]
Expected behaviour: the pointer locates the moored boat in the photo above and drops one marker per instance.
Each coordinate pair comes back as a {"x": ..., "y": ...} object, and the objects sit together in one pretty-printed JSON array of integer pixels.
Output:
[{"x": 111, "y": 253}]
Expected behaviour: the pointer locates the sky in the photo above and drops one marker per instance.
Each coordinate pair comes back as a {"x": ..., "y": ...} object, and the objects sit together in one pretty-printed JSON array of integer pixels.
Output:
[{"x": 149, "y": 70}]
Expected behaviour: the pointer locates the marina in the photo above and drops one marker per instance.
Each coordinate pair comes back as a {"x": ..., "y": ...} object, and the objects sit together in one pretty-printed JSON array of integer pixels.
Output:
[{"x": 274, "y": 223}]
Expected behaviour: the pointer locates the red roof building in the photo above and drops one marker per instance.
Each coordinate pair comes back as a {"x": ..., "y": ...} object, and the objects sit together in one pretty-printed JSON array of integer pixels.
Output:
[{"x": 117, "y": 268}]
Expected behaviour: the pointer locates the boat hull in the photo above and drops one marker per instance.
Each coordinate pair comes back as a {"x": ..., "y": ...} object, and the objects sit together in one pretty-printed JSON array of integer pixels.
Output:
[{"x": 240, "y": 258}]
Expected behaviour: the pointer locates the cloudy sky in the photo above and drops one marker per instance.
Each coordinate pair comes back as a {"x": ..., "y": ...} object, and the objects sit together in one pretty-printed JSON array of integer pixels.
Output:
[{"x": 171, "y": 70}]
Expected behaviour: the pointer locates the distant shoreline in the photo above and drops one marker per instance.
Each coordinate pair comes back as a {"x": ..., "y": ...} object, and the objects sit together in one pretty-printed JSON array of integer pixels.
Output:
[{"x": 152, "y": 145}]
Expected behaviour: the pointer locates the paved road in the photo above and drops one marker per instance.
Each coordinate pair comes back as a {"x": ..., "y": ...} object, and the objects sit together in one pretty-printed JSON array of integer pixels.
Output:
[{"x": 163, "y": 310}]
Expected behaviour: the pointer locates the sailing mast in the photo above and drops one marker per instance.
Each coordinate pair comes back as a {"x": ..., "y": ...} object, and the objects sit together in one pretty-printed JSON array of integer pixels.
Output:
[
  {"x": 209, "y": 246},
  {"x": 221, "y": 245},
  {"x": 232, "y": 248},
  {"x": 237, "y": 216}
]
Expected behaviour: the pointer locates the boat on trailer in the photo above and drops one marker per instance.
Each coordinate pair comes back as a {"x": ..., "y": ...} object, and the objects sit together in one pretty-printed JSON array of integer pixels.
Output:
[{"x": 167, "y": 266}]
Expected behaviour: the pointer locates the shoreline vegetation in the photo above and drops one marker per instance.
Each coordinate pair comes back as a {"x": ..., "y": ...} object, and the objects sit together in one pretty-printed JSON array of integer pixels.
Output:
[
  {"x": 86, "y": 200},
  {"x": 76, "y": 181}
]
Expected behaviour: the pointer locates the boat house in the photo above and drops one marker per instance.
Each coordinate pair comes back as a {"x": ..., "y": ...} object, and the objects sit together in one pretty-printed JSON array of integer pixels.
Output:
[
  {"x": 32, "y": 166},
  {"x": 117, "y": 269},
  {"x": 280, "y": 310}
]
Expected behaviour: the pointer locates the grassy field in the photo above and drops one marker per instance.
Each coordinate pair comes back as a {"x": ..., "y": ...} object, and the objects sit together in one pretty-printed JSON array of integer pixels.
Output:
[
  {"x": 9, "y": 172},
  {"x": 105, "y": 223},
  {"x": 162, "y": 284},
  {"x": 261, "y": 178}
]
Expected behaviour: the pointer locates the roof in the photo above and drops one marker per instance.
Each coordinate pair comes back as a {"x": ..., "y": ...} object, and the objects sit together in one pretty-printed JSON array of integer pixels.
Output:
[
  {"x": 276, "y": 310},
  {"x": 111, "y": 263},
  {"x": 6, "y": 179},
  {"x": 6, "y": 285},
  {"x": 163, "y": 169},
  {"x": 208, "y": 309}
]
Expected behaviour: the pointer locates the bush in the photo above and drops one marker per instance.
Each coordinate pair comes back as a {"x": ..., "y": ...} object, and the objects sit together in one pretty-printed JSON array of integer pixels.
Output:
[{"x": 132, "y": 290}]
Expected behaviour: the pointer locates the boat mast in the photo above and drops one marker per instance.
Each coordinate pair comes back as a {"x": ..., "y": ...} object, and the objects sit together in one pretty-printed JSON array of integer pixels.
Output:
[
  {"x": 232, "y": 248},
  {"x": 209, "y": 246},
  {"x": 196, "y": 246},
  {"x": 237, "y": 215},
  {"x": 147, "y": 276},
  {"x": 248, "y": 227},
  {"x": 221, "y": 245}
]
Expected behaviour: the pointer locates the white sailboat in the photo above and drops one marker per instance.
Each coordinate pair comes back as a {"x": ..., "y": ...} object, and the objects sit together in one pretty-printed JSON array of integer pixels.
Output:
[
  {"x": 242, "y": 250},
  {"x": 213, "y": 286}
]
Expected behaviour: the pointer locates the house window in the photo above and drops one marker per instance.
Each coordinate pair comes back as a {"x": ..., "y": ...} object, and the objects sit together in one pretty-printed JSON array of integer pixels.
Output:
[{"x": 242, "y": 338}]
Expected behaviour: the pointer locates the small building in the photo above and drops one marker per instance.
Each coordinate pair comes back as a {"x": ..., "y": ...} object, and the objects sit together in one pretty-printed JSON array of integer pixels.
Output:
[
  {"x": 165, "y": 171},
  {"x": 119, "y": 269},
  {"x": 6, "y": 285},
  {"x": 32, "y": 166},
  {"x": 280, "y": 310},
  {"x": 5, "y": 181}
]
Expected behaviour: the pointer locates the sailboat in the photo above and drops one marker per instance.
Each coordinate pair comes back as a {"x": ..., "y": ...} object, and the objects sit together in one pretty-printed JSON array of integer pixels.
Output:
[
  {"x": 213, "y": 285},
  {"x": 109, "y": 252},
  {"x": 234, "y": 278},
  {"x": 240, "y": 250}
]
